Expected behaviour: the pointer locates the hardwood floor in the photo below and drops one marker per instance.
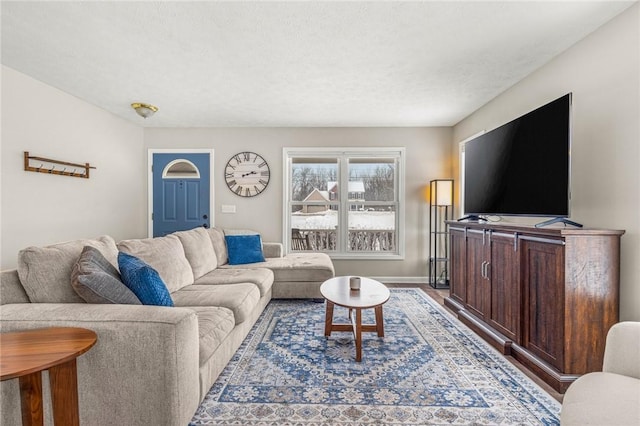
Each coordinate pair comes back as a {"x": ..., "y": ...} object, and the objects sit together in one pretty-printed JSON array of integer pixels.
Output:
[{"x": 439, "y": 294}]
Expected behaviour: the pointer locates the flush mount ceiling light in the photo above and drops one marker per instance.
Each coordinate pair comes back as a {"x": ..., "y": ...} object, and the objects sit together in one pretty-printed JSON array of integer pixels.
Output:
[{"x": 144, "y": 110}]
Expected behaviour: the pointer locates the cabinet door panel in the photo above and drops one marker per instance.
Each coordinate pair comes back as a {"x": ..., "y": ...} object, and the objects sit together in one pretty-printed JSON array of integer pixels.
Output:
[
  {"x": 505, "y": 287},
  {"x": 478, "y": 287},
  {"x": 458, "y": 288},
  {"x": 544, "y": 301}
]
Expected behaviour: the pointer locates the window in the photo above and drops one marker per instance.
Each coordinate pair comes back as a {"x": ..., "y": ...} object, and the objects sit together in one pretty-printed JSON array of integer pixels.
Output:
[
  {"x": 345, "y": 202},
  {"x": 181, "y": 168}
]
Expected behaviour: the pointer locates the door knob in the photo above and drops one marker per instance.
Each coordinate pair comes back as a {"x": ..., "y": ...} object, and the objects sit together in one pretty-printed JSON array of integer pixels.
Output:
[
  {"x": 205, "y": 225},
  {"x": 204, "y": 216}
]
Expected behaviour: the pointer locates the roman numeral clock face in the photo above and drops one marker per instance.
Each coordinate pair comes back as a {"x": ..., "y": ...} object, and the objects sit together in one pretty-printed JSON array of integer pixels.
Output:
[{"x": 247, "y": 174}]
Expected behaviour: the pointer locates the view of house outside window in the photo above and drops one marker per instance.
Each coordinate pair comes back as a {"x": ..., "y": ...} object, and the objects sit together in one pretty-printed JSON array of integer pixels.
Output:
[{"x": 344, "y": 203}]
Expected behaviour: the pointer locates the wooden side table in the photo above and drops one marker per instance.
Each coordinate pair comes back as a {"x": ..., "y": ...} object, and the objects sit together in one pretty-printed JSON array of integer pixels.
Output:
[
  {"x": 25, "y": 354},
  {"x": 372, "y": 294}
]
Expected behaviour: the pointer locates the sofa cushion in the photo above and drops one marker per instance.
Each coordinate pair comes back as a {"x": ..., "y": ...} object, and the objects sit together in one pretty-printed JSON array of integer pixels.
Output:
[
  {"x": 45, "y": 272},
  {"x": 198, "y": 250},
  {"x": 214, "y": 325},
  {"x": 219, "y": 245},
  {"x": 296, "y": 267},
  {"x": 144, "y": 281},
  {"x": 601, "y": 399},
  {"x": 241, "y": 299},
  {"x": 165, "y": 255},
  {"x": 263, "y": 278},
  {"x": 96, "y": 280},
  {"x": 272, "y": 249},
  {"x": 11, "y": 289},
  {"x": 244, "y": 249}
]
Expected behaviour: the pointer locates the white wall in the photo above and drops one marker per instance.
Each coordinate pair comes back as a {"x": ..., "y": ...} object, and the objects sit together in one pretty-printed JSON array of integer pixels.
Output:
[
  {"x": 603, "y": 73},
  {"x": 428, "y": 157},
  {"x": 39, "y": 209}
]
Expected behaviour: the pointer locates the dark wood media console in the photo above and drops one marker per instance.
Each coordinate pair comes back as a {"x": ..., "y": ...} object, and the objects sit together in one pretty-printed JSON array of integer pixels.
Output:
[{"x": 546, "y": 296}]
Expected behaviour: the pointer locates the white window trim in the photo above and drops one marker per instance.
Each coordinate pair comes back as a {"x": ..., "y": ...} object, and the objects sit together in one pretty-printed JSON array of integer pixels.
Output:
[{"x": 287, "y": 153}]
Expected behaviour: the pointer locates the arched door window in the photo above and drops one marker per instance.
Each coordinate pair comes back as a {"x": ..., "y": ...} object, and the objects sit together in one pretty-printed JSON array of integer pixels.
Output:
[{"x": 180, "y": 169}]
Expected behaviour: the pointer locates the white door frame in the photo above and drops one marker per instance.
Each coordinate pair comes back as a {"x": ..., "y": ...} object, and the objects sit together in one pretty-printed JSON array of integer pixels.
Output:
[{"x": 150, "y": 153}]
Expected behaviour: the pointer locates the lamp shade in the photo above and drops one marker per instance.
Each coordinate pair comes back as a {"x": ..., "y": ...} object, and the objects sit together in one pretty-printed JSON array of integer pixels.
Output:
[{"x": 443, "y": 192}]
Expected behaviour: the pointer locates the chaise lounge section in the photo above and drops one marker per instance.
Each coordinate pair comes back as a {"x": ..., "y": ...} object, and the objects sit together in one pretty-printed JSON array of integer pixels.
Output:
[{"x": 152, "y": 364}]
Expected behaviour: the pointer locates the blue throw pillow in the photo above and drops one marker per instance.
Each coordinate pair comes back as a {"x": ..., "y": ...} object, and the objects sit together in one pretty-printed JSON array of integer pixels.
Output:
[
  {"x": 143, "y": 281},
  {"x": 244, "y": 249}
]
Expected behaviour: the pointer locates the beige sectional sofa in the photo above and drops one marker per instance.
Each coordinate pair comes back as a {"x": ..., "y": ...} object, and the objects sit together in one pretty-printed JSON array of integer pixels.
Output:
[{"x": 152, "y": 365}]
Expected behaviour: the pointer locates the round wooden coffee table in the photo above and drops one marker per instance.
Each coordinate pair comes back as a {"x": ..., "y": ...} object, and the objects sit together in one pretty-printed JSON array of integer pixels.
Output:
[
  {"x": 372, "y": 294},
  {"x": 24, "y": 354}
]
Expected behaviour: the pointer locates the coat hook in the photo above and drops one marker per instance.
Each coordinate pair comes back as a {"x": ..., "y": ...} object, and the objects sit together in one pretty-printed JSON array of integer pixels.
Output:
[{"x": 47, "y": 165}]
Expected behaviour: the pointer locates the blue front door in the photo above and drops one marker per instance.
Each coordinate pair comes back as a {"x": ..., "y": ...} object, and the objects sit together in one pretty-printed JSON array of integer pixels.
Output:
[{"x": 181, "y": 192}]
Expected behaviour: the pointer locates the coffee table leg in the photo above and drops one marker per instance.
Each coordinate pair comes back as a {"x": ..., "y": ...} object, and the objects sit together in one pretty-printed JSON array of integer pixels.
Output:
[
  {"x": 328, "y": 319},
  {"x": 358, "y": 333},
  {"x": 379, "y": 321},
  {"x": 31, "y": 399},
  {"x": 64, "y": 393}
]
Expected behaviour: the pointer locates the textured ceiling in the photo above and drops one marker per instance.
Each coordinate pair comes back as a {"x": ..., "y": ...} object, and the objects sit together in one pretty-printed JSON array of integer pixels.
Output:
[{"x": 210, "y": 64}]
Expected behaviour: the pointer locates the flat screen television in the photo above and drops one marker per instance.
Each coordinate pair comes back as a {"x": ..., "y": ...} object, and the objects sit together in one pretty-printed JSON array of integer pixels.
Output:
[{"x": 522, "y": 167}]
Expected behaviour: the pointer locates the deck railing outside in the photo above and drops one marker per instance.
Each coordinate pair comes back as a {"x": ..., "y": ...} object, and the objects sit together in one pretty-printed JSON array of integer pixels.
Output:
[{"x": 363, "y": 240}]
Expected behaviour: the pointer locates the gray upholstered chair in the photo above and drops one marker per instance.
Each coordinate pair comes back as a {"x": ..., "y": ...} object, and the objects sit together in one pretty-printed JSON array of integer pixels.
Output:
[{"x": 610, "y": 397}]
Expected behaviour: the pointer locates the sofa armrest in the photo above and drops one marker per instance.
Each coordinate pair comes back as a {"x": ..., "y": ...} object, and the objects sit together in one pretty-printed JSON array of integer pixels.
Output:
[
  {"x": 622, "y": 350},
  {"x": 272, "y": 249},
  {"x": 143, "y": 367}
]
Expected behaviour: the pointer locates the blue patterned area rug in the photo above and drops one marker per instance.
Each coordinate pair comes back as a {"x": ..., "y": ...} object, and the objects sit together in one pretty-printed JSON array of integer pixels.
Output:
[{"x": 429, "y": 369}]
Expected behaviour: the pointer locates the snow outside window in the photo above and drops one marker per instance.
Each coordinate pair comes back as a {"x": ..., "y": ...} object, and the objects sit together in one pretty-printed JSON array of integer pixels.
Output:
[{"x": 344, "y": 202}]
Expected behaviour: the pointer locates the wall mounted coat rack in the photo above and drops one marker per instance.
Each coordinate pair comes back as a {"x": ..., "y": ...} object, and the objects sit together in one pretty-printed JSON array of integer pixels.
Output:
[{"x": 55, "y": 167}]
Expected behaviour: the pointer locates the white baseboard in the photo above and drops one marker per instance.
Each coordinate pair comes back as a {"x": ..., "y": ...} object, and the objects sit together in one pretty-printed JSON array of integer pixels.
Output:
[{"x": 402, "y": 280}]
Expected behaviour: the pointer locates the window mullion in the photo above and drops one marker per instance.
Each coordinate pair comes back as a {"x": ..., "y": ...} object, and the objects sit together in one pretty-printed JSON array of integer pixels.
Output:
[{"x": 343, "y": 223}]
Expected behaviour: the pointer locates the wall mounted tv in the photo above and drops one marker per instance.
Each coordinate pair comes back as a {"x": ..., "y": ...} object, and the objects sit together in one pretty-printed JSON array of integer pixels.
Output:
[{"x": 522, "y": 167}]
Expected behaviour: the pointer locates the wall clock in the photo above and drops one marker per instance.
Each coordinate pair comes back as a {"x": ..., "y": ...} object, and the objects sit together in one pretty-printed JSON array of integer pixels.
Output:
[{"x": 247, "y": 174}]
